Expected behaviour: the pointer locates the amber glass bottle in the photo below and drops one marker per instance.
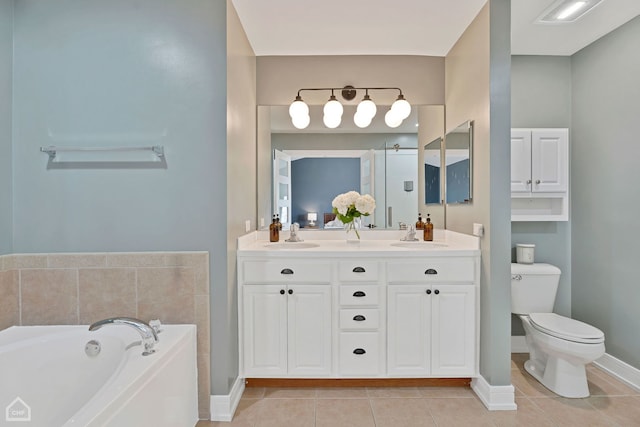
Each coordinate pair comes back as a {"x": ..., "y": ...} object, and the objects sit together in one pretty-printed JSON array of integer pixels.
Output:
[
  {"x": 420, "y": 223},
  {"x": 274, "y": 231},
  {"x": 278, "y": 222},
  {"x": 428, "y": 230}
]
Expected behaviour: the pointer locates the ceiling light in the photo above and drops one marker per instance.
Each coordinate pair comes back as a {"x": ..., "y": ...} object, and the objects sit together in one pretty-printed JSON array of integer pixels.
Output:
[
  {"x": 563, "y": 11},
  {"x": 333, "y": 109}
]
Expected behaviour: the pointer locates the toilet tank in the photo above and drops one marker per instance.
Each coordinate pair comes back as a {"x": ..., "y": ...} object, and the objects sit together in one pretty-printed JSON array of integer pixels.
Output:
[{"x": 533, "y": 288}]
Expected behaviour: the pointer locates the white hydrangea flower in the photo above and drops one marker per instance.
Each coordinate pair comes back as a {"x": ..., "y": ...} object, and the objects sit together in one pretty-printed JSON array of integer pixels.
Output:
[
  {"x": 341, "y": 204},
  {"x": 365, "y": 204}
]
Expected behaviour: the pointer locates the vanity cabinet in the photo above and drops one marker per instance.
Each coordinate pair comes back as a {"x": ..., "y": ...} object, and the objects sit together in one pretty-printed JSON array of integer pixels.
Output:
[
  {"x": 539, "y": 174},
  {"x": 432, "y": 319}
]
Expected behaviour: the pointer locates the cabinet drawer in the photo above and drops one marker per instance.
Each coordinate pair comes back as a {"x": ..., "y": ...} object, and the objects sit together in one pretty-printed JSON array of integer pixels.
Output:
[
  {"x": 359, "y": 353},
  {"x": 432, "y": 270},
  {"x": 356, "y": 271},
  {"x": 359, "y": 295},
  {"x": 359, "y": 318},
  {"x": 286, "y": 272}
]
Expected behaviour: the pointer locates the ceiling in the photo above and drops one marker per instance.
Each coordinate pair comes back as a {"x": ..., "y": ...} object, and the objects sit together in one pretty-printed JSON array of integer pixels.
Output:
[{"x": 412, "y": 27}]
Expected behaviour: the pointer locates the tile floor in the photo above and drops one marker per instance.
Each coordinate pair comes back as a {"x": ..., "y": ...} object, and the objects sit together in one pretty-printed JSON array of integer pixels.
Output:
[{"x": 611, "y": 404}]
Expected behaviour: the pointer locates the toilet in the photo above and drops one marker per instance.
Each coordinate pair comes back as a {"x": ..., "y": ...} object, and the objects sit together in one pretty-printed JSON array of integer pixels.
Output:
[{"x": 559, "y": 347}]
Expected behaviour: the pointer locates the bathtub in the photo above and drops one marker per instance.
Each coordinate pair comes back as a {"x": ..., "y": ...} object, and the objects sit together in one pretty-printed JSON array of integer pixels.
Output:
[{"x": 47, "y": 379}]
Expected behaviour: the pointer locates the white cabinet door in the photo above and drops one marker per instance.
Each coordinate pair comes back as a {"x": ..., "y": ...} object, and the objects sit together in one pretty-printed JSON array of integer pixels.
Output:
[
  {"x": 549, "y": 160},
  {"x": 520, "y": 161},
  {"x": 408, "y": 333},
  {"x": 453, "y": 336},
  {"x": 309, "y": 330},
  {"x": 265, "y": 330}
]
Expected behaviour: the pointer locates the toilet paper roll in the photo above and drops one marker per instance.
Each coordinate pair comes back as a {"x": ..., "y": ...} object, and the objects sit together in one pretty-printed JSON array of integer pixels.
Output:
[{"x": 525, "y": 253}]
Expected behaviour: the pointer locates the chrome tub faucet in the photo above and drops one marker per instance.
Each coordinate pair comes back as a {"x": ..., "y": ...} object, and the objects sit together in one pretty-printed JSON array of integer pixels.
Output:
[{"x": 148, "y": 333}]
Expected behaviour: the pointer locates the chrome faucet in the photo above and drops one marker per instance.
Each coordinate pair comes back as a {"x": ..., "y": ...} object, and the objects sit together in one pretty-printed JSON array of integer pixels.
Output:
[
  {"x": 148, "y": 334},
  {"x": 293, "y": 236},
  {"x": 411, "y": 234}
]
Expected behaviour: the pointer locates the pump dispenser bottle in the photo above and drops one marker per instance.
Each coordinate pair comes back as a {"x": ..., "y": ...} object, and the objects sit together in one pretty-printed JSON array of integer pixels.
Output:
[
  {"x": 428, "y": 230},
  {"x": 419, "y": 223},
  {"x": 274, "y": 231}
]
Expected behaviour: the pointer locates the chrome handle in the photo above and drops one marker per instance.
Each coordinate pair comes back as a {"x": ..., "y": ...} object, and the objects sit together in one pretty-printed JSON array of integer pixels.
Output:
[{"x": 516, "y": 277}]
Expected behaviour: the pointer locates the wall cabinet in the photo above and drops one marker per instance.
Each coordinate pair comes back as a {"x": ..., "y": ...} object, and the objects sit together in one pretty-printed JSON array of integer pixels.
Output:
[{"x": 539, "y": 174}]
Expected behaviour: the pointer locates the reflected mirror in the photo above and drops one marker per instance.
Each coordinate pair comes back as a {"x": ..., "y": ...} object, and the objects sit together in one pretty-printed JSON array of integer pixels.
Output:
[
  {"x": 301, "y": 171},
  {"x": 433, "y": 172},
  {"x": 459, "y": 164}
]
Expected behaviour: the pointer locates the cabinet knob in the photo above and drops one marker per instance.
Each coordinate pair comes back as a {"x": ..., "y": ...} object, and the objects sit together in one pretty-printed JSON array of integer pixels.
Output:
[
  {"x": 435, "y": 292},
  {"x": 428, "y": 291},
  {"x": 359, "y": 351},
  {"x": 537, "y": 181},
  {"x": 528, "y": 181},
  {"x": 290, "y": 291},
  {"x": 359, "y": 294},
  {"x": 359, "y": 318},
  {"x": 286, "y": 271},
  {"x": 431, "y": 271},
  {"x": 359, "y": 270},
  {"x": 281, "y": 291}
]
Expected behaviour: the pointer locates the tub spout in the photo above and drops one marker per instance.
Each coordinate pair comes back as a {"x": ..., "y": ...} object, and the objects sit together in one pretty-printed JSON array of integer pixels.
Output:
[{"x": 148, "y": 334}]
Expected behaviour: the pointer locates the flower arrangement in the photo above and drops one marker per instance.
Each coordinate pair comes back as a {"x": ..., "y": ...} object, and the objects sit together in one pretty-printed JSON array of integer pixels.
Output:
[{"x": 351, "y": 205}]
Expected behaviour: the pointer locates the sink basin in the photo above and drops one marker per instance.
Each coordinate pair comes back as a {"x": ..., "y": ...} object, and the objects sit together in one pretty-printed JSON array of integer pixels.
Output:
[
  {"x": 291, "y": 245},
  {"x": 419, "y": 245}
]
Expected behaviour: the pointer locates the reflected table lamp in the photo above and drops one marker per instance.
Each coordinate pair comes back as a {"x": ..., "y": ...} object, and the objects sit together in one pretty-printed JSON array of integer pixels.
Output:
[{"x": 312, "y": 217}]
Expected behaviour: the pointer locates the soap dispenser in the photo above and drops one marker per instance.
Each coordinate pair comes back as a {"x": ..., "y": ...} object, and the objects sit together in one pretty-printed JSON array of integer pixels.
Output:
[
  {"x": 419, "y": 223},
  {"x": 428, "y": 230},
  {"x": 274, "y": 230}
]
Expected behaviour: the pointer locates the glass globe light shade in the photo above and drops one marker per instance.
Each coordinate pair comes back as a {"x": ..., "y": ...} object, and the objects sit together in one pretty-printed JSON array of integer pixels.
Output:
[
  {"x": 333, "y": 108},
  {"x": 367, "y": 107},
  {"x": 361, "y": 120},
  {"x": 300, "y": 121},
  {"x": 401, "y": 107},
  {"x": 332, "y": 121},
  {"x": 298, "y": 108},
  {"x": 391, "y": 119}
]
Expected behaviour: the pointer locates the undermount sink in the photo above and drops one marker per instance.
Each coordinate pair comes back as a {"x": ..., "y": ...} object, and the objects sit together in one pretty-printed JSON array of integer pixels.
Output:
[
  {"x": 419, "y": 245},
  {"x": 291, "y": 245}
]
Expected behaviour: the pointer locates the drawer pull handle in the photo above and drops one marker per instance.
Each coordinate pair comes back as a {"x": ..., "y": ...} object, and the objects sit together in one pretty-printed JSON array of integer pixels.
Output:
[
  {"x": 428, "y": 291},
  {"x": 286, "y": 271},
  {"x": 359, "y": 270},
  {"x": 359, "y": 318},
  {"x": 431, "y": 271},
  {"x": 290, "y": 291},
  {"x": 436, "y": 292},
  {"x": 281, "y": 291},
  {"x": 359, "y": 351},
  {"x": 359, "y": 294}
]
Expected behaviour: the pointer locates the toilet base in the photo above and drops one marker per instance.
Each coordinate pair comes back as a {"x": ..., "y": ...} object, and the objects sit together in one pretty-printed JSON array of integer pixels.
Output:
[{"x": 561, "y": 377}]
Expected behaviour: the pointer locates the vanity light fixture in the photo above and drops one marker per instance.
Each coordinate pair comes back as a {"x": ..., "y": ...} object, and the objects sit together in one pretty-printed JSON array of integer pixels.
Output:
[
  {"x": 366, "y": 110},
  {"x": 563, "y": 11}
]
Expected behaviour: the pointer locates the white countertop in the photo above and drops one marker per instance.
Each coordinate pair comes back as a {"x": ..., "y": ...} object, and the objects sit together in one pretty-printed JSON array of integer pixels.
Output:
[{"x": 373, "y": 243}]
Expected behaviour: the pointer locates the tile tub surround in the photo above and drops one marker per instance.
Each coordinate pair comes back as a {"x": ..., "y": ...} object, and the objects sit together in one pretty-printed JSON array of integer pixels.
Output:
[{"x": 81, "y": 288}]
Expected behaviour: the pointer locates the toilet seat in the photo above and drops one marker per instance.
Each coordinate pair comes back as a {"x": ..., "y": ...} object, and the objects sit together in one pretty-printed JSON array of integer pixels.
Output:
[{"x": 566, "y": 328}]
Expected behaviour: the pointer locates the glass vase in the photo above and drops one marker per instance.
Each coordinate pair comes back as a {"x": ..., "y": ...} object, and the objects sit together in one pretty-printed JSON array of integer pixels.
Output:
[{"x": 353, "y": 230}]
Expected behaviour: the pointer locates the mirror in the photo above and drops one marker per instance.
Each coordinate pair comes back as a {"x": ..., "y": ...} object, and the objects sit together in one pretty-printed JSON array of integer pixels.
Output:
[
  {"x": 433, "y": 172},
  {"x": 377, "y": 160},
  {"x": 459, "y": 164}
]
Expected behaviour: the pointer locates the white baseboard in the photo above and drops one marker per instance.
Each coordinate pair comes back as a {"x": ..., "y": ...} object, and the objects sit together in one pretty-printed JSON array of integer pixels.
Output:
[
  {"x": 619, "y": 369},
  {"x": 495, "y": 398},
  {"x": 224, "y": 406},
  {"x": 519, "y": 344}
]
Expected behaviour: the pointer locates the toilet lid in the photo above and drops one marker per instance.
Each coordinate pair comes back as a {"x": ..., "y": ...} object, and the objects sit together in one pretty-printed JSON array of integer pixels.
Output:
[{"x": 565, "y": 328}]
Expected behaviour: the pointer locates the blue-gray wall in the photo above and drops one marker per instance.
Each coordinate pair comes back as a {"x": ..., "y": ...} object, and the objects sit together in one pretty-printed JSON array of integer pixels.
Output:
[
  {"x": 6, "y": 63},
  {"x": 541, "y": 97},
  {"x": 431, "y": 184},
  {"x": 458, "y": 181},
  {"x": 317, "y": 181},
  {"x": 122, "y": 73},
  {"x": 605, "y": 197}
]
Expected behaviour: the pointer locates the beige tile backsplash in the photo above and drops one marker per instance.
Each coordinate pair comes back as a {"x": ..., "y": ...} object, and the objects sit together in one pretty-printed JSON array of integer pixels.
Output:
[{"x": 81, "y": 288}]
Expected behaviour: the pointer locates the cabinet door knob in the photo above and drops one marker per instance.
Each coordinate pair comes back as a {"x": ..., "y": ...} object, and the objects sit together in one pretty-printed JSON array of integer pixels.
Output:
[
  {"x": 359, "y": 351},
  {"x": 358, "y": 270},
  {"x": 528, "y": 181},
  {"x": 537, "y": 181},
  {"x": 359, "y": 294},
  {"x": 281, "y": 291},
  {"x": 428, "y": 291},
  {"x": 435, "y": 292},
  {"x": 286, "y": 271},
  {"x": 431, "y": 271},
  {"x": 359, "y": 318},
  {"x": 290, "y": 291}
]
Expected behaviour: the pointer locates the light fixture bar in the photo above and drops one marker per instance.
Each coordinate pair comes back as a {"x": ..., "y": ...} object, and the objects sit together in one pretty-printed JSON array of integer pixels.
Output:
[{"x": 565, "y": 11}]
